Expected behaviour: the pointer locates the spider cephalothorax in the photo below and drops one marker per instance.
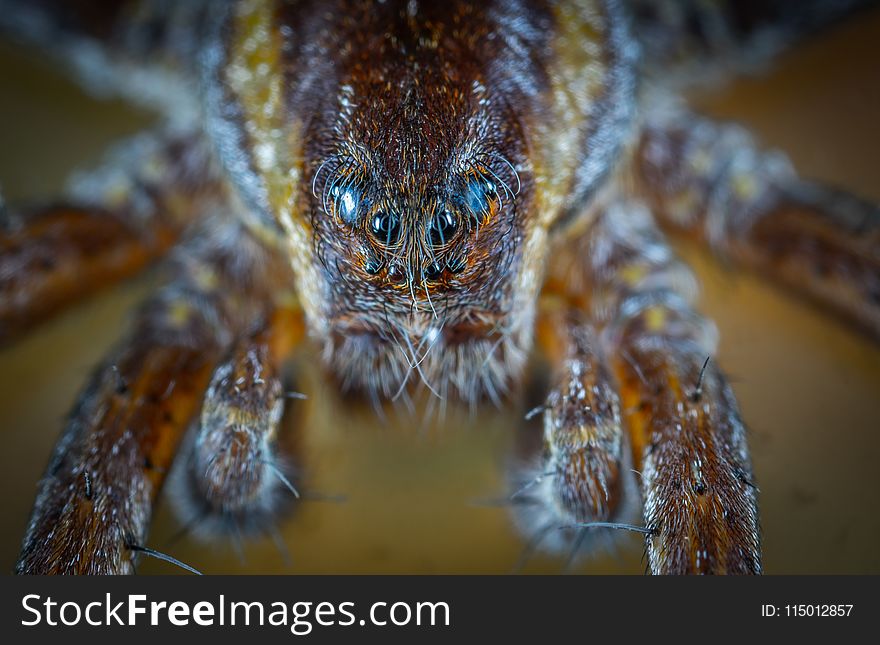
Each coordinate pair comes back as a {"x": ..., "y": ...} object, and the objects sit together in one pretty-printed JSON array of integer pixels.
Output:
[
  {"x": 426, "y": 190},
  {"x": 417, "y": 174}
]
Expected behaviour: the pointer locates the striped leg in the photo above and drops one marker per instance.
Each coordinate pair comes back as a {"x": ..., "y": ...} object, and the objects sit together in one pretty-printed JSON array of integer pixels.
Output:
[
  {"x": 700, "y": 42},
  {"x": 709, "y": 180},
  {"x": 114, "y": 222},
  {"x": 95, "y": 500},
  {"x": 235, "y": 481},
  {"x": 581, "y": 480},
  {"x": 688, "y": 442}
]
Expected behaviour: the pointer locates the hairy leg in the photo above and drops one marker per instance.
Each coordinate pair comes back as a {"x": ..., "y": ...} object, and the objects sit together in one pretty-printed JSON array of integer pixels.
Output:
[
  {"x": 694, "y": 42},
  {"x": 234, "y": 480},
  {"x": 115, "y": 220},
  {"x": 688, "y": 442},
  {"x": 95, "y": 500},
  {"x": 582, "y": 470},
  {"x": 144, "y": 51},
  {"x": 711, "y": 181}
]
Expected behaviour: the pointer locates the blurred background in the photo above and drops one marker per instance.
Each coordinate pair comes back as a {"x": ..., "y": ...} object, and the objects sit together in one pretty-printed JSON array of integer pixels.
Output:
[{"x": 809, "y": 389}]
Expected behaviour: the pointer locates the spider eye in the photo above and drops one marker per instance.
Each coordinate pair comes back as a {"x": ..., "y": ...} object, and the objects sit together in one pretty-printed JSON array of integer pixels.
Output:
[
  {"x": 346, "y": 201},
  {"x": 373, "y": 266},
  {"x": 478, "y": 196},
  {"x": 433, "y": 271},
  {"x": 385, "y": 227},
  {"x": 442, "y": 227}
]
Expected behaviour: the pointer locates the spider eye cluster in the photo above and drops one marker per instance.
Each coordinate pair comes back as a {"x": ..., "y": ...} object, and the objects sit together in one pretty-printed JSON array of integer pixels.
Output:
[{"x": 470, "y": 203}]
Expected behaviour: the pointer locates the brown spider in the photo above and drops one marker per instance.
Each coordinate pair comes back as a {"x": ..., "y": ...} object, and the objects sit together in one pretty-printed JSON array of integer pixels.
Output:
[{"x": 423, "y": 189}]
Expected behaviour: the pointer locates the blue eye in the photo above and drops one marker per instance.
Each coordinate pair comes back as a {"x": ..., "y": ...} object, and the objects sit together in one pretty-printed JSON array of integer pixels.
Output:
[
  {"x": 477, "y": 195},
  {"x": 346, "y": 201}
]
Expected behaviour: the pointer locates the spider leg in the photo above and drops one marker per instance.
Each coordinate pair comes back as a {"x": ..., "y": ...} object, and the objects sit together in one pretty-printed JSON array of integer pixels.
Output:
[
  {"x": 688, "y": 442},
  {"x": 694, "y": 42},
  {"x": 143, "y": 51},
  {"x": 115, "y": 220},
  {"x": 710, "y": 180},
  {"x": 234, "y": 479},
  {"x": 95, "y": 500},
  {"x": 584, "y": 466}
]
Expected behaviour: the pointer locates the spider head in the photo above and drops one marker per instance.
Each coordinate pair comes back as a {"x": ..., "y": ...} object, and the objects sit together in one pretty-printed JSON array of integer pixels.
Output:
[{"x": 419, "y": 216}]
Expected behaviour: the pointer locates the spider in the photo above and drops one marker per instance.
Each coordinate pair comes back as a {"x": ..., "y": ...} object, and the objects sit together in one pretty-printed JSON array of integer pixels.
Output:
[{"x": 429, "y": 194}]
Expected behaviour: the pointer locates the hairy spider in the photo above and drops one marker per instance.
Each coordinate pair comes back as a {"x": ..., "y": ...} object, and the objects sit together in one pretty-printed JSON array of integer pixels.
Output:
[{"x": 424, "y": 191}]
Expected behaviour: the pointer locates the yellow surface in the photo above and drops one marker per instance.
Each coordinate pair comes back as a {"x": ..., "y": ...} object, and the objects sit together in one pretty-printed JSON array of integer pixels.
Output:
[{"x": 809, "y": 389}]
